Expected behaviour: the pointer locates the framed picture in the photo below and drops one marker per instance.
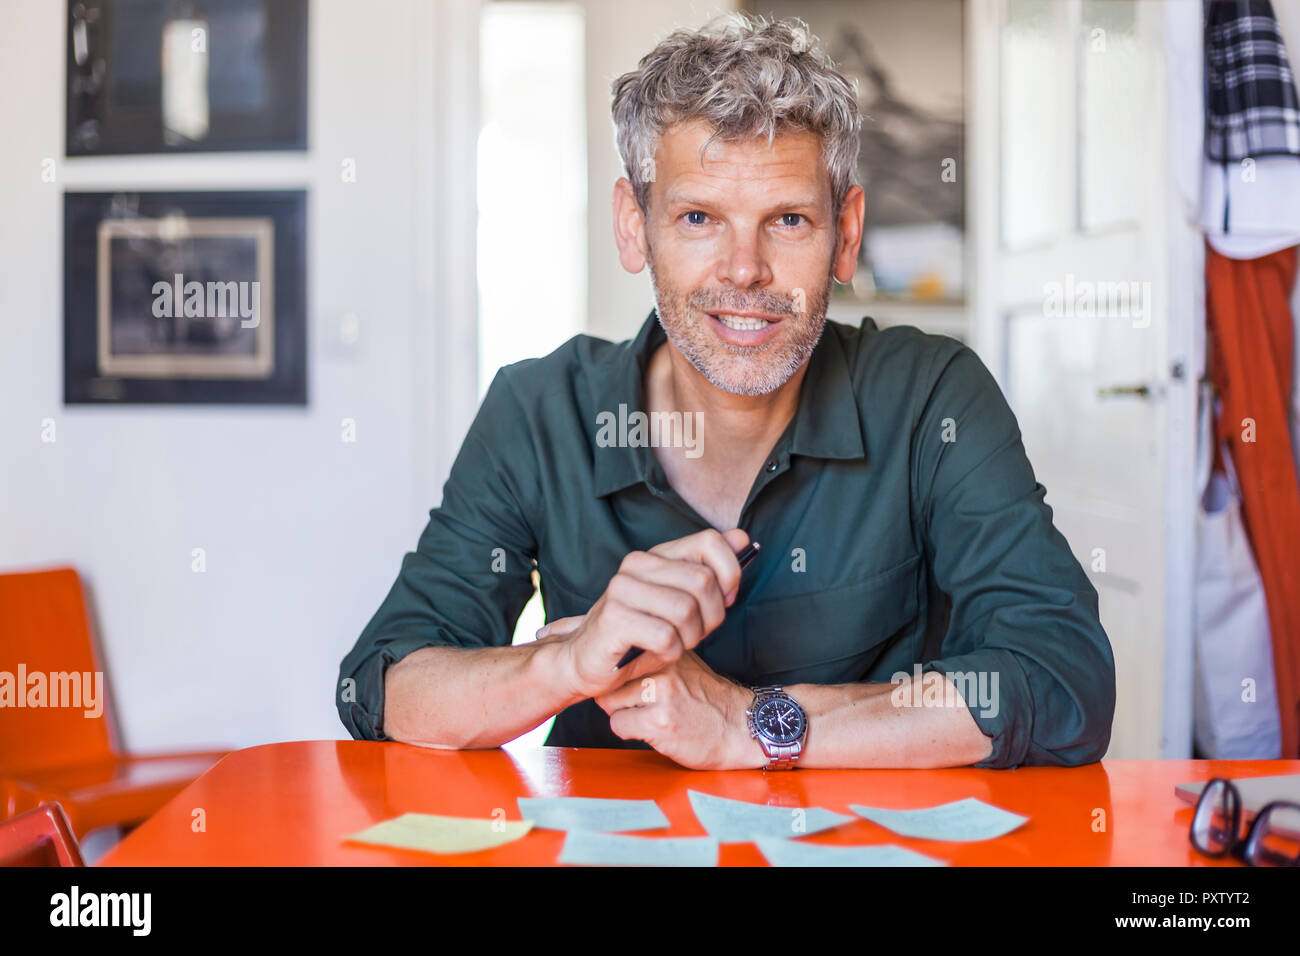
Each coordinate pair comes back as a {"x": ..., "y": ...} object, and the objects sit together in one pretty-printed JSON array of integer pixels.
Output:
[
  {"x": 194, "y": 297},
  {"x": 161, "y": 76},
  {"x": 907, "y": 57}
]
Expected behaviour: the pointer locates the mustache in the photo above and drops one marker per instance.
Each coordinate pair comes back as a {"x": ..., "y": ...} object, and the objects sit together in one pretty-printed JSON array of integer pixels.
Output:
[{"x": 764, "y": 301}]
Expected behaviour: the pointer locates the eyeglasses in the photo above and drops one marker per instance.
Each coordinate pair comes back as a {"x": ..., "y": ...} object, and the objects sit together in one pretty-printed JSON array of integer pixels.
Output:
[{"x": 1273, "y": 838}]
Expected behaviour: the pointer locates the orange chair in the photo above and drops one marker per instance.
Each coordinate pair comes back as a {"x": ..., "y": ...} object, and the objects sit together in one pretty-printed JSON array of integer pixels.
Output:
[
  {"x": 58, "y": 753},
  {"x": 40, "y": 837}
]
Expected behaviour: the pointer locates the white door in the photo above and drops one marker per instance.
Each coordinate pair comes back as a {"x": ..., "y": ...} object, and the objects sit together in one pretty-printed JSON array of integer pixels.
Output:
[{"x": 1073, "y": 254}]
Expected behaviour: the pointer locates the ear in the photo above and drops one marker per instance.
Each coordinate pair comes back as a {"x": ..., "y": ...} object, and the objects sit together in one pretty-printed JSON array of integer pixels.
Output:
[
  {"x": 849, "y": 234},
  {"x": 629, "y": 227}
]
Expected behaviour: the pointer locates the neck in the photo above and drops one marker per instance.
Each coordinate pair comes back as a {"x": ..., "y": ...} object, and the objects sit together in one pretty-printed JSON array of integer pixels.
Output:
[{"x": 739, "y": 427}]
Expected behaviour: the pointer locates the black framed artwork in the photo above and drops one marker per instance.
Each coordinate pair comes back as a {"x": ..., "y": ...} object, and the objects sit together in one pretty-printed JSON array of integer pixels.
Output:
[
  {"x": 163, "y": 76},
  {"x": 185, "y": 297}
]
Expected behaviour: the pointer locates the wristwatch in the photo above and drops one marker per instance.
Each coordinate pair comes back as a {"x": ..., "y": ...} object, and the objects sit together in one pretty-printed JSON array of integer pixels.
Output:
[{"x": 779, "y": 725}]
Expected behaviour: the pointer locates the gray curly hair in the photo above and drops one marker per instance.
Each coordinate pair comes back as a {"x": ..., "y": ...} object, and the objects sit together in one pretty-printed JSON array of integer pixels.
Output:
[{"x": 746, "y": 76}]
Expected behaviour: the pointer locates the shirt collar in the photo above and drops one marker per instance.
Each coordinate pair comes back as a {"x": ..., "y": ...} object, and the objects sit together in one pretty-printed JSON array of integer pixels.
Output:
[{"x": 826, "y": 423}]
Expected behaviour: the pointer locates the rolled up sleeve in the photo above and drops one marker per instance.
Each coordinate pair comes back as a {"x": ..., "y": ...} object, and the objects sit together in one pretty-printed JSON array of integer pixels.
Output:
[
  {"x": 469, "y": 577},
  {"x": 1024, "y": 616}
]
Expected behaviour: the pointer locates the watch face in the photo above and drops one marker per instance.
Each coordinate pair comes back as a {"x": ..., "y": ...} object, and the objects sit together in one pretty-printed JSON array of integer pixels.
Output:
[{"x": 780, "y": 720}]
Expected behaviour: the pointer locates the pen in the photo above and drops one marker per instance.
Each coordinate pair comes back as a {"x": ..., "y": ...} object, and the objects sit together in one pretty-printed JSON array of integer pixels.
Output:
[{"x": 745, "y": 556}]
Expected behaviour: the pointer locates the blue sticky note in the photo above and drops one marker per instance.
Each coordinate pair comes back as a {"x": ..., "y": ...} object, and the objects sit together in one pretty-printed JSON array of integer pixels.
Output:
[
  {"x": 736, "y": 821},
  {"x": 611, "y": 849},
  {"x": 961, "y": 820},
  {"x": 795, "y": 853},
  {"x": 590, "y": 813}
]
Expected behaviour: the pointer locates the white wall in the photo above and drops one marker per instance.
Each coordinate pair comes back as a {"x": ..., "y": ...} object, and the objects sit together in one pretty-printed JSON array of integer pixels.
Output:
[{"x": 303, "y": 533}]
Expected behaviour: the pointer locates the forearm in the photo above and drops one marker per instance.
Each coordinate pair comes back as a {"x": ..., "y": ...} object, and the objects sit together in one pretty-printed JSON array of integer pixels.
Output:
[
  {"x": 860, "y": 725},
  {"x": 461, "y": 698}
]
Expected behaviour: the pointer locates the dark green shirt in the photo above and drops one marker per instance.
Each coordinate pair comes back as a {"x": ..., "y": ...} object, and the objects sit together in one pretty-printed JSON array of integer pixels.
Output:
[{"x": 900, "y": 521}]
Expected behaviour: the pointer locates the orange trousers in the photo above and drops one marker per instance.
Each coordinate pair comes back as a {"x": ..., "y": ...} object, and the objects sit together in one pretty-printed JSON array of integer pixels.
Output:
[{"x": 1251, "y": 340}]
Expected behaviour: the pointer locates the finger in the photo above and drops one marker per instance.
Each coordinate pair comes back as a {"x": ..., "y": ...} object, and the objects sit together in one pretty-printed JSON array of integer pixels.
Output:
[
  {"x": 631, "y": 724},
  {"x": 645, "y": 664},
  {"x": 640, "y": 692},
  {"x": 696, "y": 579},
  {"x": 659, "y": 638},
  {"x": 711, "y": 548},
  {"x": 561, "y": 625},
  {"x": 678, "y": 608},
  {"x": 737, "y": 539}
]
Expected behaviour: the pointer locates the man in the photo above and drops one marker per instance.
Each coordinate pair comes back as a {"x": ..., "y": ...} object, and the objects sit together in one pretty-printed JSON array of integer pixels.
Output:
[{"x": 912, "y": 604}]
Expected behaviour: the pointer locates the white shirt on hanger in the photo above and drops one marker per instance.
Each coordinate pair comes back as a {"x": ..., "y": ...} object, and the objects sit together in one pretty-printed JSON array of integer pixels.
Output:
[{"x": 1263, "y": 214}]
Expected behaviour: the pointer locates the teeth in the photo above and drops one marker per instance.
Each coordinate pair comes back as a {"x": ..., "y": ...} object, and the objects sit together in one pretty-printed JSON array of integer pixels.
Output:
[{"x": 742, "y": 324}]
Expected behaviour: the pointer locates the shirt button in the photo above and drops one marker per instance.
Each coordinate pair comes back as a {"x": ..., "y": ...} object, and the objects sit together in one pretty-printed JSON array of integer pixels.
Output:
[{"x": 771, "y": 465}]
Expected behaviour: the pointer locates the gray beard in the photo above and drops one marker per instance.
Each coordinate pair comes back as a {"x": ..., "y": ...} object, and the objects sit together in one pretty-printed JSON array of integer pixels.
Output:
[{"x": 708, "y": 354}]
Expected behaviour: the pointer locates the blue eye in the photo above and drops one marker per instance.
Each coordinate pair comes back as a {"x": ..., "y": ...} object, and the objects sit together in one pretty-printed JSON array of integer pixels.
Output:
[
  {"x": 696, "y": 222},
  {"x": 785, "y": 219}
]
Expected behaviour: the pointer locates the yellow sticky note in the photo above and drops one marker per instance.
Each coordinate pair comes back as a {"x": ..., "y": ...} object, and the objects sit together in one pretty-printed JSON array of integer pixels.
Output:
[{"x": 436, "y": 834}]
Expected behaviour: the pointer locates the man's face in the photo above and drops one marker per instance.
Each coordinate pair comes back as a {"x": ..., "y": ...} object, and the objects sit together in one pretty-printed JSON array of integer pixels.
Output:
[{"x": 740, "y": 251}]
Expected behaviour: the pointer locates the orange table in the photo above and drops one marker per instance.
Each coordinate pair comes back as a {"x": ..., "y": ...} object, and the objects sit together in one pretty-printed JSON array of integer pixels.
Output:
[{"x": 291, "y": 804}]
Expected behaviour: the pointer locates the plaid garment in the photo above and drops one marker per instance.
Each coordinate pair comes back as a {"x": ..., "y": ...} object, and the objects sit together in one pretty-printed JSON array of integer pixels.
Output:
[{"x": 1251, "y": 108}]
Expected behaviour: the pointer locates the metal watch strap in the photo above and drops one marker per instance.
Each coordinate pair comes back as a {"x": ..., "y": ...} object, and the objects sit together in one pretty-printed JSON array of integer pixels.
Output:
[
  {"x": 782, "y": 757},
  {"x": 779, "y": 756}
]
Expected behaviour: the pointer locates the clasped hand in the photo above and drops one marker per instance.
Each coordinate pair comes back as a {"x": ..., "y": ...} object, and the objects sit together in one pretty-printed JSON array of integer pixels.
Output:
[{"x": 665, "y": 601}]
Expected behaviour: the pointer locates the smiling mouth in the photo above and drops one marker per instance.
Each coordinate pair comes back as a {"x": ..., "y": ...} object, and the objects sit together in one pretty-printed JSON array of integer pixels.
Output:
[{"x": 742, "y": 323}]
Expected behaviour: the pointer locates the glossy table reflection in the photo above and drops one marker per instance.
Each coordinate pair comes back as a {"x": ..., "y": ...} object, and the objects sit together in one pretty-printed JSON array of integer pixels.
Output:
[{"x": 291, "y": 804}]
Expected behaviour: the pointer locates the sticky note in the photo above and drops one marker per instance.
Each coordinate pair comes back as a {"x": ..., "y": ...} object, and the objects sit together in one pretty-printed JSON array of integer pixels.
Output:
[
  {"x": 736, "y": 821},
  {"x": 795, "y": 853},
  {"x": 961, "y": 820},
  {"x": 437, "y": 834},
  {"x": 612, "y": 849},
  {"x": 590, "y": 813}
]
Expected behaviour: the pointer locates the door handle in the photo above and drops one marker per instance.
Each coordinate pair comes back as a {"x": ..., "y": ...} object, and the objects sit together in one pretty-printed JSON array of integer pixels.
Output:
[{"x": 1142, "y": 390}]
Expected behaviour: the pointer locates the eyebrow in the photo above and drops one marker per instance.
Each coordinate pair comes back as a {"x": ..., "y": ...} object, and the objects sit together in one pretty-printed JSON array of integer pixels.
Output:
[{"x": 803, "y": 202}]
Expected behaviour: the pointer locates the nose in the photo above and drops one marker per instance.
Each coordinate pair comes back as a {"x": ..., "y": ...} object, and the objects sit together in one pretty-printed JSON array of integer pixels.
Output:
[{"x": 743, "y": 263}]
